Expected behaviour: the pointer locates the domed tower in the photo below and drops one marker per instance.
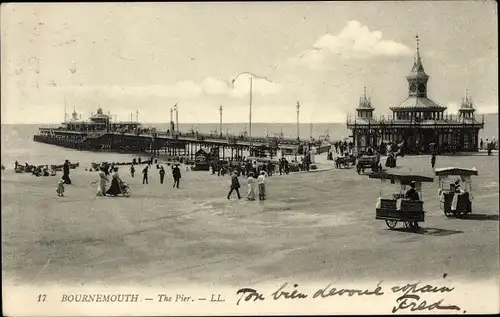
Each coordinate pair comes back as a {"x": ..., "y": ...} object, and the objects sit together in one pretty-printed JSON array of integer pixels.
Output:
[
  {"x": 365, "y": 109},
  {"x": 466, "y": 110},
  {"x": 74, "y": 115},
  {"x": 417, "y": 79}
]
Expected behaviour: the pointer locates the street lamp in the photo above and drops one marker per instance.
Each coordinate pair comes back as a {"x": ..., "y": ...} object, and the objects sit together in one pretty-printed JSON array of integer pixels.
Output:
[{"x": 298, "y": 111}]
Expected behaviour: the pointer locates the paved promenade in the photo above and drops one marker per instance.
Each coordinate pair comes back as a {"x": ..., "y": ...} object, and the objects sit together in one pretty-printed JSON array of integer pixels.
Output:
[{"x": 314, "y": 226}]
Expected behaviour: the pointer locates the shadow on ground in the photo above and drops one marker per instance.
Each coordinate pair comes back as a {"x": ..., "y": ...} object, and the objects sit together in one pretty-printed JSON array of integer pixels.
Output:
[
  {"x": 479, "y": 217},
  {"x": 428, "y": 231}
]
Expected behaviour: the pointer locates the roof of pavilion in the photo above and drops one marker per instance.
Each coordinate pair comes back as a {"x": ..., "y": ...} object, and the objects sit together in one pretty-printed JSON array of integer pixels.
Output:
[{"x": 414, "y": 102}]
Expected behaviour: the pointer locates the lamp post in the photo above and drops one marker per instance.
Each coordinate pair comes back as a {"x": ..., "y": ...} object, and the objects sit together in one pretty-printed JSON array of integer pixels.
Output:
[
  {"x": 171, "y": 122},
  {"x": 298, "y": 111},
  {"x": 250, "y": 118},
  {"x": 220, "y": 110},
  {"x": 177, "y": 118}
]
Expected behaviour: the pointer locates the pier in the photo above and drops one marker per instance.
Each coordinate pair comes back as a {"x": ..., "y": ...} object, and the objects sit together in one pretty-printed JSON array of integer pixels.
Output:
[{"x": 165, "y": 143}]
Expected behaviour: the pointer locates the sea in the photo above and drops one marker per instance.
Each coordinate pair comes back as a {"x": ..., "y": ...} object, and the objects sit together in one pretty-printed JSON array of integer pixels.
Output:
[{"x": 17, "y": 139}]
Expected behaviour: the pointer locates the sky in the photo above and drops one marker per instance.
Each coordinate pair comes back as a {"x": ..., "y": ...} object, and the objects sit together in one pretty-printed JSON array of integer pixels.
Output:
[{"x": 127, "y": 57}]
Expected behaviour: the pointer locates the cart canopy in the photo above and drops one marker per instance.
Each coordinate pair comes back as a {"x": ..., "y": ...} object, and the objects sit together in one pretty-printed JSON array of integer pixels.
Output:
[
  {"x": 458, "y": 171},
  {"x": 403, "y": 179}
]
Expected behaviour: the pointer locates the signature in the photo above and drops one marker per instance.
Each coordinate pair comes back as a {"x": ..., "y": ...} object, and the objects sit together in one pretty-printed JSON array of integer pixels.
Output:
[
  {"x": 410, "y": 295},
  {"x": 416, "y": 306},
  {"x": 409, "y": 299}
]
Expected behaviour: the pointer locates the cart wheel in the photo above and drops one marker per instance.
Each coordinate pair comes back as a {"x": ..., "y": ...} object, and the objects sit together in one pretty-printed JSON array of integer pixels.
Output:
[
  {"x": 391, "y": 223},
  {"x": 407, "y": 224}
]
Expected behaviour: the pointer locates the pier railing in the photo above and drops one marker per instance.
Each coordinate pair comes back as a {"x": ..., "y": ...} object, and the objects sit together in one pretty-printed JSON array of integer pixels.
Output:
[{"x": 195, "y": 136}]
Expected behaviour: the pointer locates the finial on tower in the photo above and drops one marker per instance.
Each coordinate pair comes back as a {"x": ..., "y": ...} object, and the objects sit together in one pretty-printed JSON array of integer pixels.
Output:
[
  {"x": 365, "y": 92},
  {"x": 418, "y": 43}
]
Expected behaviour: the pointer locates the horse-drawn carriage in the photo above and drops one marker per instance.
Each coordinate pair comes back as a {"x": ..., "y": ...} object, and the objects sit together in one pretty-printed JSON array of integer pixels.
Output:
[
  {"x": 399, "y": 208},
  {"x": 345, "y": 161},
  {"x": 368, "y": 161},
  {"x": 455, "y": 201}
]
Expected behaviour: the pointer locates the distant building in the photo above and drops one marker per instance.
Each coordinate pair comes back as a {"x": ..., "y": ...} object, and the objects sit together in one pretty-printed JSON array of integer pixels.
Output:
[{"x": 418, "y": 121}]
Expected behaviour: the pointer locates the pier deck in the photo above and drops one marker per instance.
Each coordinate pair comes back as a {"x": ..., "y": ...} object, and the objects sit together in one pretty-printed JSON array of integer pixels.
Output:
[{"x": 161, "y": 142}]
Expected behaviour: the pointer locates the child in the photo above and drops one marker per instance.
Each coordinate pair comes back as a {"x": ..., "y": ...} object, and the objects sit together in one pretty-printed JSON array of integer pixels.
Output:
[{"x": 60, "y": 188}]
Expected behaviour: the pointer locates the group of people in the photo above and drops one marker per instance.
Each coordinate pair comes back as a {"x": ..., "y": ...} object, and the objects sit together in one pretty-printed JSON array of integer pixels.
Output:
[
  {"x": 176, "y": 173},
  {"x": 64, "y": 180},
  {"x": 117, "y": 186},
  {"x": 488, "y": 145},
  {"x": 252, "y": 181},
  {"x": 341, "y": 147}
]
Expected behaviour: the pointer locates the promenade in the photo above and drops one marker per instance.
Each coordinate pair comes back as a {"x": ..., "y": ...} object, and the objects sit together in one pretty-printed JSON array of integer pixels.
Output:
[{"x": 313, "y": 227}]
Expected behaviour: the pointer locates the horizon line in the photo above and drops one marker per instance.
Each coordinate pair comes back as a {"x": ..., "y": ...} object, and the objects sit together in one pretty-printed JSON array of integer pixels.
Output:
[{"x": 236, "y": 122}]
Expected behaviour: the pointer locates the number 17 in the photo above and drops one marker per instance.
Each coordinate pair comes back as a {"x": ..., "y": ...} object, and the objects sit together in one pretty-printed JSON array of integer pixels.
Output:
[{"x": 42, "y": 297}]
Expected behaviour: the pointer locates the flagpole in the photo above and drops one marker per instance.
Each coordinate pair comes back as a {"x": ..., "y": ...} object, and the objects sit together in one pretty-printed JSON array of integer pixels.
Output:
[
  {"x": 177, "y": 117},
  {"x": 250, "y": 118}
]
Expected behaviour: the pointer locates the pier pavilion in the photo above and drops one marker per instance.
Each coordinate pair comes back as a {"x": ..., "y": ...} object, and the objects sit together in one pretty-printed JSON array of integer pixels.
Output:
[{"x": 418, "y": 121}]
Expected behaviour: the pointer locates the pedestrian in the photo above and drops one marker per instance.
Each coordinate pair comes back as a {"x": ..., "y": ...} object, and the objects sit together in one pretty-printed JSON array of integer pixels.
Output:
[
  {"x": 145, "y": 175},
  {"x": 101, "y": 190},
  {"x": 132, "y": 171},
  {"x": 270, "y": 168},
  {"x": 60, "y": 188},
  {"x": 162, "y": 174},
  {"x": 251, "y": 186},
  {"x": 65, "y": 177},
  {"x": 176, "y": 173},
  {"x": 262, "y": 185},
  {"x": 235, "y": 185},
  {"x": 433, "y": 160}
]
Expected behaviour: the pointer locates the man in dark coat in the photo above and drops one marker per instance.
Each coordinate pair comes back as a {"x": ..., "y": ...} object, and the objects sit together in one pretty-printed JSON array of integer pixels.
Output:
[
  {"x": 176, "y": 173},
  {"x": 162, "y": 174},
  {"x": 270, "y": 168},
  {"x": 433, "y": 159},
  {"x": 412, "y": 193},
  {"x": 65, "y": 177},
  {"x": 145, "y": 175},
  {"x": 235, "y": 185}
]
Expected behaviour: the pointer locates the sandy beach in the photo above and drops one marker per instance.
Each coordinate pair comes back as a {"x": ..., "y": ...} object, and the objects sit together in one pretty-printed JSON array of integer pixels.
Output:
[{"x": 313, "y": 226}]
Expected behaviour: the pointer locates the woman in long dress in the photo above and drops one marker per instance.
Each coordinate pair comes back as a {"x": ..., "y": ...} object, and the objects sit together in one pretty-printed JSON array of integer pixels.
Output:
[
  {"x": 66, "y": 178},
  {"x": 251, "y": 181},
  {"x": 101, "y": 190},
  {"x": 114, "y": 189}
]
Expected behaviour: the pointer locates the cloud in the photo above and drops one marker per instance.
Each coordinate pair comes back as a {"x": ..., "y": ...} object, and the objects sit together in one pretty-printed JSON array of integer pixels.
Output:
[
  {"x": 215, "y": 86},
  {"x": 354, "y": 41},
  {"x": 239, "y": 87}
]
